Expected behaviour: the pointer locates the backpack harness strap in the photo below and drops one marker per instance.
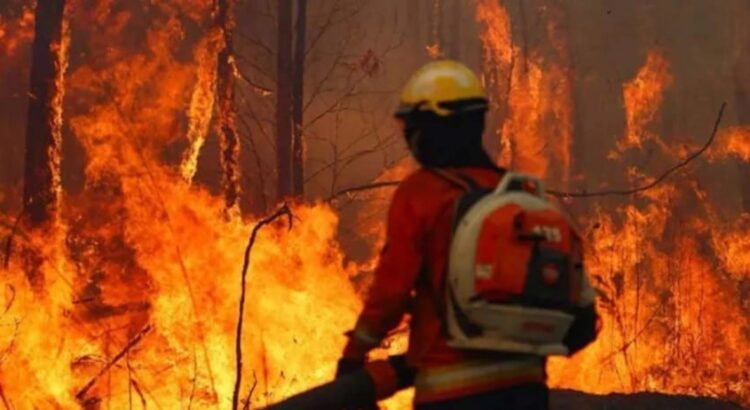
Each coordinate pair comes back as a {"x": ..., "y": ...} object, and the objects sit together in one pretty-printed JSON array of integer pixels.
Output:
[{"x": 473, "y": 192}]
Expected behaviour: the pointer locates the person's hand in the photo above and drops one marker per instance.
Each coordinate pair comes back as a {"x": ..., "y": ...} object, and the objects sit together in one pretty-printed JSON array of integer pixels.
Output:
[{"x": 348, "y": 365}]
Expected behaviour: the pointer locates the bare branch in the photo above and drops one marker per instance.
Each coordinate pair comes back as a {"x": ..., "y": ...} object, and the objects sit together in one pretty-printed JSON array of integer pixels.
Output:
[
  {"x": 263, "y": 46},
  {"x": 256, "y": 87},
  {"x": 656, "y": 181},
  {"x": 256, "y": 157},
  {"x": 284, "y": 210},
  {"x": 362, "y": 188},
  {"x": 12, "y": 298},
  {"x": 582, "y": 194},
  {"x": 254, "y": 66},
  {"x": 132, "y": 343},
  {"x": 330, "y": 23},
  {"x": 249, "y": 396},
  {"x": 139, "y": 392},
  {"x": 14, "y": 229}
]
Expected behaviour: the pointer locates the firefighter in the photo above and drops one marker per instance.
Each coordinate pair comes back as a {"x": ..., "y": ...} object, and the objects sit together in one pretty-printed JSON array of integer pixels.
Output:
[{"x": 442, "y": 113}]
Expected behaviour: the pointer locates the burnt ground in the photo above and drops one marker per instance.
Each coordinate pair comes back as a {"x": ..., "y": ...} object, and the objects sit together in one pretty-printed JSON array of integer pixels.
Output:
[{"x": 573, "y": 400}]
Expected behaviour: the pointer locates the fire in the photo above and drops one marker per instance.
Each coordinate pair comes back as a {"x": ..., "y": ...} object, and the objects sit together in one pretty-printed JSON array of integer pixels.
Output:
[
  {"x": 733, "y": 141},
  {"x": 140, "y": 290},
  {"x": 559, "y": 101},
  {"x": 671, "y": 311},
  {"x": 642, "y": 98},
  {"x": 140, "y": 285},
  {"x": 299, "y": 307},
  {"x": 16, "y": 33},
  {"x": 537, "y": 92},
  {"x": 201, "y": 107},
  {"x": 497, "y": 49},
  {"x": 227, "y": 129},
  {"x": 670, "y": 304},
  {"x": 60, "y": 51}
]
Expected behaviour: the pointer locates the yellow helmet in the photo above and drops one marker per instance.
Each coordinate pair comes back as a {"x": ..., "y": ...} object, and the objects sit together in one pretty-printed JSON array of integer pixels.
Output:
[{"x": 444, "y": 88}]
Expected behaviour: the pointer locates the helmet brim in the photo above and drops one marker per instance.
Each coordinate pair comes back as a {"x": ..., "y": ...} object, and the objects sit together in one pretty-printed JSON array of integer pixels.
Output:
[{"x": 453, "y": 107}]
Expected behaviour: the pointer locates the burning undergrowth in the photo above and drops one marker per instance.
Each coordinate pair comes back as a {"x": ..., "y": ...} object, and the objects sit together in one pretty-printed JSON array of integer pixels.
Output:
[{"x": 137, "y": 300}]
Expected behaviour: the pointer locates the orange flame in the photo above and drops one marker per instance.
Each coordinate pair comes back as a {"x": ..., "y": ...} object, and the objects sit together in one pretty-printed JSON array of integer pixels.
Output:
[
  {"x": 60, "y": 51},
  {"x": 534, "y": 93},
  {"x": 732, "y": 141},
  {"x": 16, "y": 33},
  {"x": 643, "y": 97},
  {"x": 665, "y": 297},
  {"x": 226, "y": 76},
  {"x": 559, "y": 98},
  {"x": 201, "y": 106},
  {"x": 664, "y": 307},
  {"x": 497, "y": 49},
  {"x": 143, "y": 248}
]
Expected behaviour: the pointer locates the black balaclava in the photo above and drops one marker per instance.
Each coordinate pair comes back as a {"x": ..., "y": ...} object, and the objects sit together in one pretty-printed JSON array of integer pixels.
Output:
[{"x": 454, "y": 141}]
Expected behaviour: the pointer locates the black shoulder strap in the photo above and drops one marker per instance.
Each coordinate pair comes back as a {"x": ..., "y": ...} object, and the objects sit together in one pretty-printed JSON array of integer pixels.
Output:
[{"x": 473, "y": 192}]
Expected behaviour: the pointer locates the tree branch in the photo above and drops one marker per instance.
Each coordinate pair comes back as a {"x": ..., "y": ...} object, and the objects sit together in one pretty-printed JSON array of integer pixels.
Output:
[
  {"x": 362, "y": 188},
  {"x": 666, "y": 174},
  {"x": 14, "y": 229},
  {"x": 284, "y": 210},
  {"x": 4, "y": 399},
  {"x": 580, "y": 194},
  {"x": 132, "y": 343}
]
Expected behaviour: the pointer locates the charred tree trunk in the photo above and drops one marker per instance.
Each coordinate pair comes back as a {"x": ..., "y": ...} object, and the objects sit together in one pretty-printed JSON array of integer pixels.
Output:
[
  {"x": 284, "y": 100},
  {"x": 41, "y": 193},
  {"x": 298, "y": 92},
  {"x": 230, "y": 141}
]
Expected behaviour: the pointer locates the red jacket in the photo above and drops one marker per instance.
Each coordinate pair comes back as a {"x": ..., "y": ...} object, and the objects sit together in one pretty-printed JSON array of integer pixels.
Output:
[{"x": 412, "y": 266}]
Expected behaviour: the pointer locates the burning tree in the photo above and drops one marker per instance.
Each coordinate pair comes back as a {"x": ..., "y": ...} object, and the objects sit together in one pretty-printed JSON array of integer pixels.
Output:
[
  {"x": 41, "y": 194},
  {"x": 226, "y": 74}
]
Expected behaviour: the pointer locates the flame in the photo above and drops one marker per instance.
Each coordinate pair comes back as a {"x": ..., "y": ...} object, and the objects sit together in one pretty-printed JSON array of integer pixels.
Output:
[
  {"x": 666, "y": 298},
  {"x": 60, "y": 52},
  {"x": 521, "y": 129},
  {"x": 497, "y": 49},
  {"x": 732, "y": 141},
  {"x": 141, "y": 283},
  {"x": 534, "y": 93},
  {"x": 670, "y": 312},
  {"x": 15, "y": 34},
  {"x": 559, "y": 98},
  {"x": 201, "y": 106},
  {"x": 29, "y": 380},
  {"x": 145, "y": 250},
  {"x": 227, "y": 73},
  {"x": 524, "y": 125},
  {"x": 643, "y": 96}
]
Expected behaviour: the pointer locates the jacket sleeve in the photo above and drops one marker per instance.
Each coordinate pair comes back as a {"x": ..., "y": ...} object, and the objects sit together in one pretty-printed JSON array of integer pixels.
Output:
[{"x": 394, "y": 278}]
